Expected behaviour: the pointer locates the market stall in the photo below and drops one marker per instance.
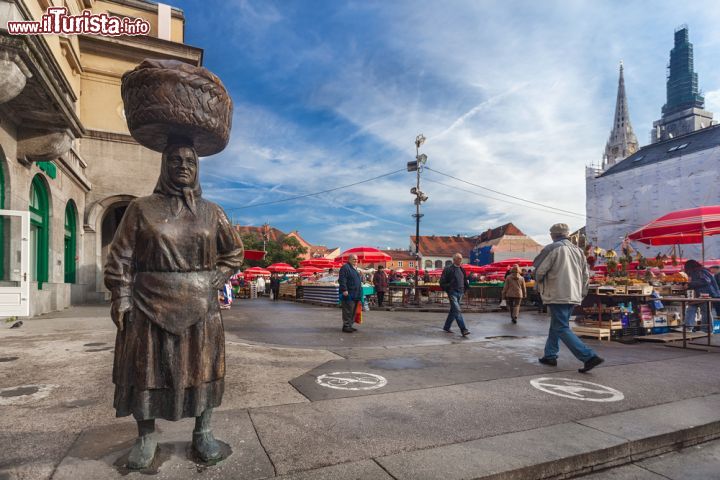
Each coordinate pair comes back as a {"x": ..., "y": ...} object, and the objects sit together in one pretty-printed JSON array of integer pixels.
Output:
[
  {"x": 644, "y": 299},
  {"x": 324, "y": 288}
]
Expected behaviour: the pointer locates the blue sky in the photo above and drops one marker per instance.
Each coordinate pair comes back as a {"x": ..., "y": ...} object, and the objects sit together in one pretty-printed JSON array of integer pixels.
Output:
[{"x": 514, "y": 95}]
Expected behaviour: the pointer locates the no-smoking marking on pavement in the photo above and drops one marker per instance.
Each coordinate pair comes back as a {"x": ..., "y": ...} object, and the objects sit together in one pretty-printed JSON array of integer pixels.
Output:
[
  {"x": 577, "y": 389},
  {"x": 351, "y": 381}
]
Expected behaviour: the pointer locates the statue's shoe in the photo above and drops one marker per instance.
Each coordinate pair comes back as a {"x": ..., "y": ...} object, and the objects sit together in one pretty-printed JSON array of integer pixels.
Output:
[
  {"x": 142, "y": 453},
  {"x": 205, "y": 445}
]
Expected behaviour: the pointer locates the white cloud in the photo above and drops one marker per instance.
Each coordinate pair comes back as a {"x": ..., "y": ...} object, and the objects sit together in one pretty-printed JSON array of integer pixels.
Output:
[{"x": 516, "y": 96}]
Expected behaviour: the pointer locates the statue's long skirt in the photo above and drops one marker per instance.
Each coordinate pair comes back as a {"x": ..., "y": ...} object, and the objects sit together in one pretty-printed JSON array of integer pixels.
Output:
[{"x": 158, "y": 374}]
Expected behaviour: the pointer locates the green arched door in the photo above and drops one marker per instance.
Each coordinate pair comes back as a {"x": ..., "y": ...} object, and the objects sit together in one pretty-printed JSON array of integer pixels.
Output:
[
  {"x": 39, "y": 230},
  {"x": 70, "y": 241}
]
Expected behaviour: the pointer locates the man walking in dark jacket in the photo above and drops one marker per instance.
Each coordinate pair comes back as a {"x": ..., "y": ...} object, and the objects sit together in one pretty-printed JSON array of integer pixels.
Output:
[
  {"x": 275, "y": 286},
  {"x": 351, "y": 291},
  {"x": 454, "y": 282}
]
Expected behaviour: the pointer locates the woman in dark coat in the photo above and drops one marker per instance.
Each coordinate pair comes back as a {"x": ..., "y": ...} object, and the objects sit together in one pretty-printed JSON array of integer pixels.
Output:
[
  {"x": 171, "y": 253},
  {"x": 380, "y": 281},
  {"x": 514, "y": 291},
  {"x": 703, "y": 283}
]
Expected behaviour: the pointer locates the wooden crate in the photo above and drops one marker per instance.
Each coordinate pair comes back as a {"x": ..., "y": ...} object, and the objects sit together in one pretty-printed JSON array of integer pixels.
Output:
[
  {"x": 663, "y": 290},
  {"x": 594, "y": 323},
  {"x": 594, "y": 332},
  {"x": 639, "y": 289}
]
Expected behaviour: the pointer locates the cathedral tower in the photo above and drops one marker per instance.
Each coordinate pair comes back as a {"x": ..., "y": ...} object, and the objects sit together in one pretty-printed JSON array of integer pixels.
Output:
[
  {"x": 622, "y": 142},
  {"x": 684, "y": 110}
]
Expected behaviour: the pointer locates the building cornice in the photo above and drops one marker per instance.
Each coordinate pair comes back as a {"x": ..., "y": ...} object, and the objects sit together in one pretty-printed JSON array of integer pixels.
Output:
[
  {"x": 110, "y": 136},
  {"x": 146, "y": 6},
  {"x": 48, "y": 76},
  {"x": 138, "y": 48}
]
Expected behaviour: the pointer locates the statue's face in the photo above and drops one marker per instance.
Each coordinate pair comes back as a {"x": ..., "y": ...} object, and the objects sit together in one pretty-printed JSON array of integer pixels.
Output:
[{"x": 182, "y": 164}]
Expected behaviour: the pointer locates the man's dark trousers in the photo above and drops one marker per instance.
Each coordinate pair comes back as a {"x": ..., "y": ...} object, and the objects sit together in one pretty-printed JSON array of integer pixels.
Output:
[{"x": 348, "y": 312}]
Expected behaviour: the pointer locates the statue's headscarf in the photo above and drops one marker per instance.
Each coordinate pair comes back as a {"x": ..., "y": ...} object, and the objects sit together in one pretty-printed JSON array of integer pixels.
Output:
[{"x": 182, "y": 196}]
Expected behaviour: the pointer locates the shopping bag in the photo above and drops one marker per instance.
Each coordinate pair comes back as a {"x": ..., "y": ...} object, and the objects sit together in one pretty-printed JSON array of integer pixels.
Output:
[{"x": 358, "y": 312}]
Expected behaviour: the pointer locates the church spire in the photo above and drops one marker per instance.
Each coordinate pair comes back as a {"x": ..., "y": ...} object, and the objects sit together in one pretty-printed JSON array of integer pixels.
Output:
[{"x": 622, "y": 142}]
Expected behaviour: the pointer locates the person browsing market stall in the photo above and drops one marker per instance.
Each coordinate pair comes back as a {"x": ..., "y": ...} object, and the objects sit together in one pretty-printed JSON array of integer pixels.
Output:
[
  {"x": 350, "y": 291},
  {"x": 703, "y": 283}
]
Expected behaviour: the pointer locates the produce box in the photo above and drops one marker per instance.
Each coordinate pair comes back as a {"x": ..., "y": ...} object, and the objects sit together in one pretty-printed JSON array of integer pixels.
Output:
[
  {"x": 663, "y": 290},
  {"x": 639, "y": 289},
  {"x": 610, "y": 324},
  {"x": 660, "y": 321}
]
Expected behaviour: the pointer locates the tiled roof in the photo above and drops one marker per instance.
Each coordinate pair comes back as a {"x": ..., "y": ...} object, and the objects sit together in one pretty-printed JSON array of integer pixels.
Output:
[
  {"x": 497, "y": 232},
  {"x": 696, "y": 141},
  {"x": 274, "y": 234},
  {"x": 437, "y": 246},
  {"x": 515, "y": 244},
  {"x": 319, "y": 251},
  {"x": 400, "y": 254}
]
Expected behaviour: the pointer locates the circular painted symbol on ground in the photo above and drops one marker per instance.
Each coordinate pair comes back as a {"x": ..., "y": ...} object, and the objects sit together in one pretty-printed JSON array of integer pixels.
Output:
[
  {"x": 577, "y": 389},
  {"x": 352, "y": 381}
]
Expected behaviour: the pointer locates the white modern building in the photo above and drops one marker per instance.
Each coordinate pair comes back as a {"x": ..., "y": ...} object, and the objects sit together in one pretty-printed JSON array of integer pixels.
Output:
[{"x": 679, "y": 170}]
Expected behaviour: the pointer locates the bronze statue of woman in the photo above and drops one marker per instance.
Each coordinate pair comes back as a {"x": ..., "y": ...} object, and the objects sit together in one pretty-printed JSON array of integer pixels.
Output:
[{"x": 171, "y": 253}]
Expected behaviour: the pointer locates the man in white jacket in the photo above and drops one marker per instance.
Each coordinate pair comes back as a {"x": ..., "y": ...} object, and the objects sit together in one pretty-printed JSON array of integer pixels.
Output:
[{"x": 562, "y": 276}]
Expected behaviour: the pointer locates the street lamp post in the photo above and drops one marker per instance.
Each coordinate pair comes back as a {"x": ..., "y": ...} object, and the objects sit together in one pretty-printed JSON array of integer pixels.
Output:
[{"x": 420, "y": 197}]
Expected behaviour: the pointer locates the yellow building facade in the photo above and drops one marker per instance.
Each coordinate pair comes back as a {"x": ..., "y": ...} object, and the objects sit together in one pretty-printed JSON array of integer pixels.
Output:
[{"x": 66, "y": 155}]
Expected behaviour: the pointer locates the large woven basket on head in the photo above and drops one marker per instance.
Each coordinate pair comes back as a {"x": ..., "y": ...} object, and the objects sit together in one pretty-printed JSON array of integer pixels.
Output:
[{"x": 171, "y": 101}]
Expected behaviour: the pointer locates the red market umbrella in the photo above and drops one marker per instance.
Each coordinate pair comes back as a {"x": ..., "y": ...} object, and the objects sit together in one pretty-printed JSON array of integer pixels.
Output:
[
  {"x": 366, "y": 255},
  {"x": 281, "y": 268},
  {"x": 254, "y": 254},
  {"x": 412, "y": 270},
  {"x": 715, "y": 262},
  {"x": 310, "y": 270},
  {"x": 509, "y": 262},
  {"x": 318, "y": 262},
  {"x": 681, "y": 227},
  {"x": 256, "y": 272},
  {"x": 435, "y": 273},
  {"x": 469, "y": 268}
]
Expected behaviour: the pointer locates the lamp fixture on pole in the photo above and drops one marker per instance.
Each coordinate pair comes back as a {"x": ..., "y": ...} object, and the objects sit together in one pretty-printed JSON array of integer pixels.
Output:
[{"x": 420, "y": 197}]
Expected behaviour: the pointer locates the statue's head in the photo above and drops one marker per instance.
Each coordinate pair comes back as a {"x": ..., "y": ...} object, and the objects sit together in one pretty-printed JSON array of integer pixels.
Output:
[
  {"x": 179, "y": 175},
  {"x": 181, "y": 165}
]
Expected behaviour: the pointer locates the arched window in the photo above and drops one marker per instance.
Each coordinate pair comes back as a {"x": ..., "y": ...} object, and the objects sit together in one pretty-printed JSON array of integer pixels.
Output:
[
  {"x": 39, "y": 230},
  {"x": 438, "y": 264},
  {"x": 428, "y": 264},
  {"x": 448, "y": 263},
  {"x": 70, "y": 241}
]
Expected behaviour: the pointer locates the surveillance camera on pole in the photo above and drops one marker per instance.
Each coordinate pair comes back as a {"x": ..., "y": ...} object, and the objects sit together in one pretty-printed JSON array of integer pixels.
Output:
[{"x": 420, "y": 197}]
